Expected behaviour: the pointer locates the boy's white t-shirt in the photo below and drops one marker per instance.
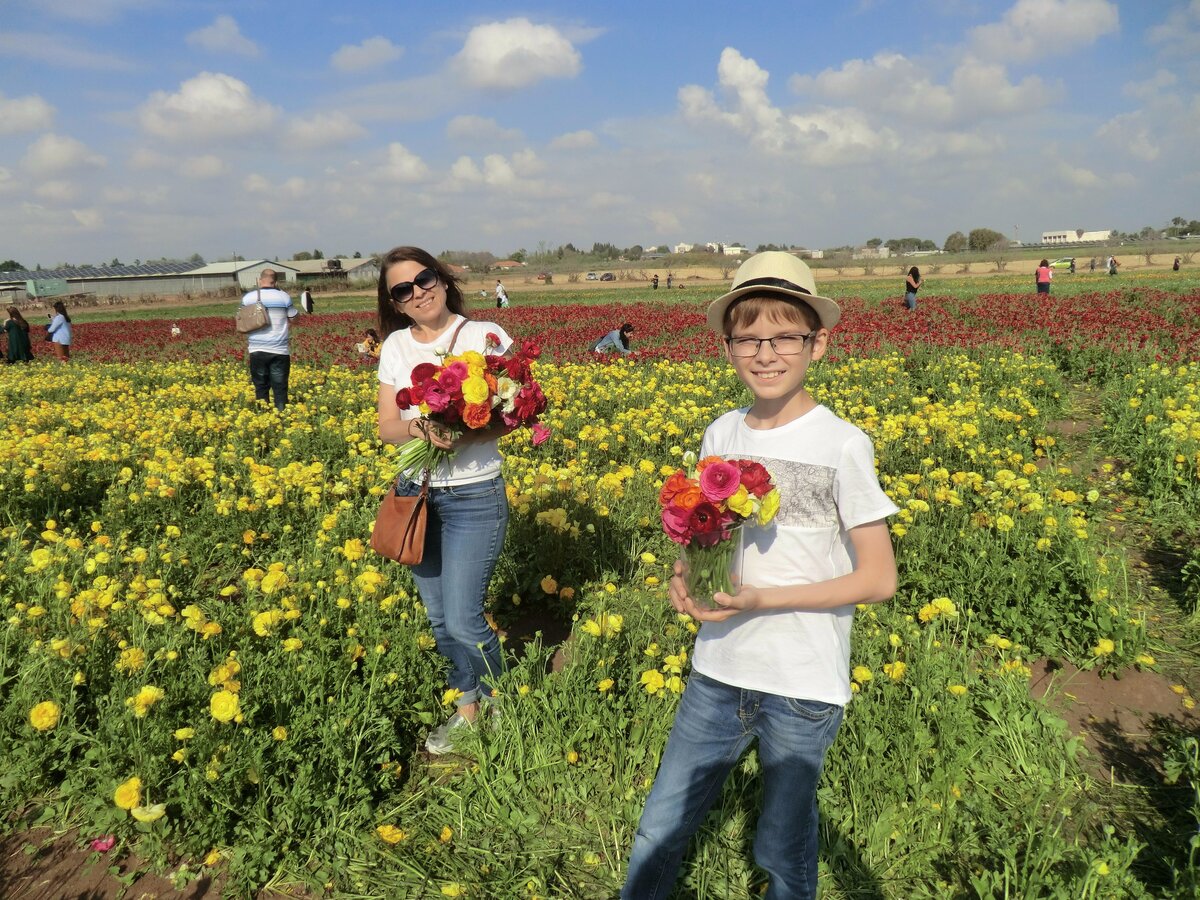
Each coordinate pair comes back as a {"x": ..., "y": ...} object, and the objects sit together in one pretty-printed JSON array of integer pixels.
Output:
[
  {"x": 824, "y": 468},
  {"x": 401, "y": 353}
]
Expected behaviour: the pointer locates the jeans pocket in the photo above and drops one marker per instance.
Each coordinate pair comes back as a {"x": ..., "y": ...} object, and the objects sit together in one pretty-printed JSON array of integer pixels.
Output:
[
  {"x": 812, "y": 710},
  {"x": 480, "y": 490}
]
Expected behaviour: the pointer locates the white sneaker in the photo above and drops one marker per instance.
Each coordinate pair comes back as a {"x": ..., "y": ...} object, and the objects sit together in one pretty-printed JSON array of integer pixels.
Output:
[{"x": 441, "y": 739}]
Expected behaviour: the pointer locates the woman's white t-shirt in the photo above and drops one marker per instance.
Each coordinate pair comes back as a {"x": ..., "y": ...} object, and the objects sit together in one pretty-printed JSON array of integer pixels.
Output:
[
  {"x": 824, "y": 468},
  {"x": 401, "y": 353}
]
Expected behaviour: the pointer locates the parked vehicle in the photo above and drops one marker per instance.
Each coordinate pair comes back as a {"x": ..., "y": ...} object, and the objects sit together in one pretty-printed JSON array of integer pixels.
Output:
[
  {"x": 591, "y": 276},
  {"x": 1064, "y": 262},
  {"x": 608, "y": 276}
]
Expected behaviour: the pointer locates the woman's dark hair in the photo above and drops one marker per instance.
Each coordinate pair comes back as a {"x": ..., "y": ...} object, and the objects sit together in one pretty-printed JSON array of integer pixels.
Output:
[
  {"x": 61, "y": 309},
  {"x": 15, "y": 315},
  {"x": 625, "y": 332},
  {"x": 371, "y": 332},
  {"x": 390, "y": 318},
  {"x": 1045, "y": 262},
  {"x": 914, "y": 273}
]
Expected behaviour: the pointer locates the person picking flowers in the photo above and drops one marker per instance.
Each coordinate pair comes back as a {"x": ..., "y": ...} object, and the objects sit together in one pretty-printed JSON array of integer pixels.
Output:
[{"x": 772, "y": 660}]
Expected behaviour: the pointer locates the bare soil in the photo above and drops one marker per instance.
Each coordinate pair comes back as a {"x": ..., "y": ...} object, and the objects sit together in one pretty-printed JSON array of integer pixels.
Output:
[{"x": 1118, "y": 717}]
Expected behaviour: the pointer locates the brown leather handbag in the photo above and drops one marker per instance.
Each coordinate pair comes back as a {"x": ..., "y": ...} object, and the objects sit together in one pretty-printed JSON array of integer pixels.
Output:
[{"x": 400, "y": 525}]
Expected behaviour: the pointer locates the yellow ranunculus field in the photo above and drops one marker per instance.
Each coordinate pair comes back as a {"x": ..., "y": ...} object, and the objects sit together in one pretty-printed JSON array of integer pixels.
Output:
[{"x": 202, "y": 656}]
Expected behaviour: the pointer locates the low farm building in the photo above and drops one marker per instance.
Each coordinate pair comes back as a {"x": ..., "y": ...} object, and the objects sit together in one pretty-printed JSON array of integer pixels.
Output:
[{"x": 1076, "y": 236}]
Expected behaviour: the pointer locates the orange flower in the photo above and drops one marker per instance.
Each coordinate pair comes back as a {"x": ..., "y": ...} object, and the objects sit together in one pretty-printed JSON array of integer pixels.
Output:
[
  {"x": 706, "y": 462},
  {"x": 491, "y": 383},
  {"x": 690, "y": 497},
  {"x": 671, "y": 487},
  {"x": 477, "y": 415}
]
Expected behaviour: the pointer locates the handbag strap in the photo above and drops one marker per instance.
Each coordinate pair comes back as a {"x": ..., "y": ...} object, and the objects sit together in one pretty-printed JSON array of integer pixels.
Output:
[{"x": 454, "y": 337}]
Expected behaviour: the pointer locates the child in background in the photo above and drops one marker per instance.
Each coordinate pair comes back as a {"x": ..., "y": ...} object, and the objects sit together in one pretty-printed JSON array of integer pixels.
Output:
[
  {"x": 772, "y": 662},
  {"x": 370, "y": 343}
]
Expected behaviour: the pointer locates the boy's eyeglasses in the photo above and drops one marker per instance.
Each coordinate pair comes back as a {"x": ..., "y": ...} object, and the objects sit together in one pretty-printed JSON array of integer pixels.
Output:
[
  {"x": 783, "y": 344},
  {"x": 402, "y": 291}
]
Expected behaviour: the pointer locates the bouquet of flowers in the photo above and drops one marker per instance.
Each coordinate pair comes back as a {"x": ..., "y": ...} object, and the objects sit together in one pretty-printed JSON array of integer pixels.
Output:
[
  {"x": 474, "y": 391},
  {"x": 704, "y": 507}
]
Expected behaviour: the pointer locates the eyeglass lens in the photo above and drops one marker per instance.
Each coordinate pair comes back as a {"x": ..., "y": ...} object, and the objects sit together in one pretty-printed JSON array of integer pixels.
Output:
[
  {"x": 783, "y": 344},
  {"x": 402, "y": 291}
]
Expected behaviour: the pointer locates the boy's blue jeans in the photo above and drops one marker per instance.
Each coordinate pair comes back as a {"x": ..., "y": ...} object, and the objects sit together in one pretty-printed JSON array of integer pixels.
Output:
[
  {"x": 713, "y": 727},
  {"x": 464, "y": 535},
  {"x": 269, "y": 374}
]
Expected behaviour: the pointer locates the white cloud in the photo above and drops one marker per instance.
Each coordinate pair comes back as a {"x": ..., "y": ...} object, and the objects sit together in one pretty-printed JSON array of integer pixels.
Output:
[
  {"x": 206, "y": 166},
  {"x": 52, "y": 153},
  {"x": 370, "y": 54},
  {"x": 28, "y": 113},
  {"x": 256, "y": 184},
  {"x": 464, "y": 172},
  {"x": 478, "y": 128},
  {"x": 574, "y": 140},
  {"x": 982, "y": 89},
  {"x": 1084, "y": 179},
  {"x": 494, "y": 171},
  {"x": 6, "y": 179},
  {"x": 210, "y": 106},
  {"x": 324, "y": 129},
  {"x": 90, "y": 219},
  {"x": 1179, "y": 33},
  {"x": 143, "y": 158},
  {"x": 516, "y": 53},
  {"x": 56, "y": 191},
  {"x": 91, "y": 10},
  {"x": 1152, "y": 87},
  {"x": 1030, "y": 26},
  {"x": 403, "y": 165},
  {"x": 1131, "y": 134},
  {"x": 223, "y": 36},
  {"x": 59, "y": 50}
]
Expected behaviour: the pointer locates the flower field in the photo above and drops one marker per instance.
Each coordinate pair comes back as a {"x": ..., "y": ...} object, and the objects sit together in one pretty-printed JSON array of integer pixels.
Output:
[{"x": 202, "y": 658}]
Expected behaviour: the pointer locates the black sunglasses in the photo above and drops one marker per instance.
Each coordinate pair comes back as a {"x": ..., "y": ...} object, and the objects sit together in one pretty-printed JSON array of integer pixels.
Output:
[{"x": 402, "y": 291}]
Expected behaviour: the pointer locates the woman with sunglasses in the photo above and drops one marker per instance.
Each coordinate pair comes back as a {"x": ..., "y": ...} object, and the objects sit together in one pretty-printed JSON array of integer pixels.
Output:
[{"x": 422, "y": 313}]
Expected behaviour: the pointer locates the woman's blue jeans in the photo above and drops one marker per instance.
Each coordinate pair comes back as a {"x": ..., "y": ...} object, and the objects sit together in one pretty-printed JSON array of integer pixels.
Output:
[
  {"x": 464, "y": 535},
  {"x": 715, "y": 724}
]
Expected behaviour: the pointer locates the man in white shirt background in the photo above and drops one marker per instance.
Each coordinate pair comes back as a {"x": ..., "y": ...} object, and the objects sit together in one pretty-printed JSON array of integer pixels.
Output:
[{"x": 269, "y": 347}]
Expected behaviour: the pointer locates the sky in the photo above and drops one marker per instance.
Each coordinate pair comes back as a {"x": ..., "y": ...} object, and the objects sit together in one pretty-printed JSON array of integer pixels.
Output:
[{"x": 139, "y": 129}]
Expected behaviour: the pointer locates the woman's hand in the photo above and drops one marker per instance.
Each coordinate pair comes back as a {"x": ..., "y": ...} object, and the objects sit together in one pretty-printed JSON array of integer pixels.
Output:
[{"x": 438, "y": 435}]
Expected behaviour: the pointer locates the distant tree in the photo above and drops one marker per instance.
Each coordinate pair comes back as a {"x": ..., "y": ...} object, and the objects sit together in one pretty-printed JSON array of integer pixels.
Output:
[
  {"x": 634, "y": 252},
  {"x": 983, "y": 239},
  {"x": 115, "y": 262},
  {"x": 874, "y": 242},
  {"x": 955, "y": 243},
  {"x": 518, "y": 255},
  {"x": 357, "y": 254},
  {"x": 317, "y": 254},
  {"x": 10, "y": 265},
  {"x": 196, "y": 260}
]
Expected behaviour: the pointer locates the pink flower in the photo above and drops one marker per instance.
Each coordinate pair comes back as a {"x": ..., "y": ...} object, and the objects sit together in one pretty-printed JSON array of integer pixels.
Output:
[
  {"x": 541, "y": 434},
  {"x": 104, "y": 843},
  {"x": 720, "y": 481},
  {"x": 437, "y": 397},
  {"x": 677, "y": 523}
]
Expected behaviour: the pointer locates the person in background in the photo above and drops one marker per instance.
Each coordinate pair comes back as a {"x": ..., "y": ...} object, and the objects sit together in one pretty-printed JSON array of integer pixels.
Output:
[
  {"x": 654, "y": 281},
  {"x": 1175, "y": 266},
  {"x": 423, "y": 315},
  {"x": 912, "y": 284},
  {"x": 176, "y": 331},
  {"x": 306, "y": 301},
  {"x": 670, "y": 278},
  {"x": 1113, "y": 265},
  {"x": 617, "y": 339},
  {"x": 59, "y": 331},
  {"x": 370, "y": 343},
  {"x": 1071, "y": 268},
  {"x": 17, "y": 330},
  {"x": 1042, "y": 276},
  {"x": 270, "y": 346},
  {"x": 501, "y": 296},
  {"x": 1092, "y": 265}
]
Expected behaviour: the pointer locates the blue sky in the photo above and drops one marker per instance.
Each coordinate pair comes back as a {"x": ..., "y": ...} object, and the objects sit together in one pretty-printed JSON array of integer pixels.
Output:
[{"x": 148, "y": 128}]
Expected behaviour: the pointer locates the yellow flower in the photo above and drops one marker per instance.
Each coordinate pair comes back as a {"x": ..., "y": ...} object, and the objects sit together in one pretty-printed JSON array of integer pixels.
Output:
[
  {"x": 605, "y": 684},
  {"x": 549, "y": 585},
  {"x": 445, "y": 835},
  {"x": 391, "y": 834},
  {"x": 224, "y": 706},
  {"x": 128, "y": 794},
  {"x": 894, "y": 670},
  {"x": 1145, "y": 659},
  {"x": 149, "y": 813},
  {"x": 862, "y": 674},
  {"x": 291, "y": 645},
  {"x": 1103, "y": 647},
  {"x": 144, "y": 699},
  {"x": 353, "y": 549},
  {"x": 273, "y": 581},
  {"x": 957, "y": 689},
  {"x": 450, "y": 696},
  {"x": 475, "y": 389},
  {"x": 653, "y": 680},
  {"x": 213, "y": 857},
  {"x": 768, "y": 507},
  {"x": 131, "y": 660},
  {"x": 184, "y": 734},
  {"x": 572, "y": 757},
  {"x": 279, "y": 733},
  {"x": 453, "y": 889},
  {"x": 45, "y": 715},
  {"x": 741, "y": 503}
]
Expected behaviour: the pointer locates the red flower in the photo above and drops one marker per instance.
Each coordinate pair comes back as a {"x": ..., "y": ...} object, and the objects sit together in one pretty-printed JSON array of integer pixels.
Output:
[
  {"x": 706, "y": 524},
  {"x": 755, "y": 478}
]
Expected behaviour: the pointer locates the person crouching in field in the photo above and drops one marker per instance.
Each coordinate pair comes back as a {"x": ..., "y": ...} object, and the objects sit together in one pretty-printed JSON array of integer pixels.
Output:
[
  {"x": 616, "y": 340},
  {"x": 772, "y": 662}
]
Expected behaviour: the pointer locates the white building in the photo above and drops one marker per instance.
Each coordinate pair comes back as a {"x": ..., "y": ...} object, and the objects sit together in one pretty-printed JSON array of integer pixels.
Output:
[
  {"x": 683, "y": 248},
  {"x": 1075, "y": 236}
]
